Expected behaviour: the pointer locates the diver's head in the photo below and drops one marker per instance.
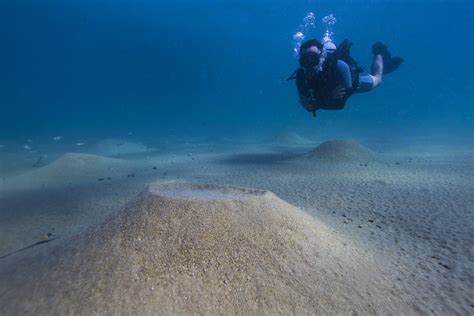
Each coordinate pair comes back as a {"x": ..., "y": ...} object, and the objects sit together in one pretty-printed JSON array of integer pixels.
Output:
[{"x": 310, "y": 53}]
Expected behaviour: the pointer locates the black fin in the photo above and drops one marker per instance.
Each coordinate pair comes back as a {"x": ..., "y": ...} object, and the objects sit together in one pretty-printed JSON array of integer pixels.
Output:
[
  {"x": 389, "y": 64},
  {"x": 344, "y": 49},
  {"x": 392, "y": 65},
  {"x": 343, "y": 52},
  {"x": 381, "y": 49}
]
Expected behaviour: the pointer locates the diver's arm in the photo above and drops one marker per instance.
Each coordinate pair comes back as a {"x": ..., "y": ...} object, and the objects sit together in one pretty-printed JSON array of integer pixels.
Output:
[
  {"x": 337, "y": 98},
  {"x": 306, "y": 99},
  {"x": 338, "y": 93}
]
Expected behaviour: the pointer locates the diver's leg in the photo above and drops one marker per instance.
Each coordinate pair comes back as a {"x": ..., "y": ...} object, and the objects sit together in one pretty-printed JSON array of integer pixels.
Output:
[
  {"x": 368, "y": 82},
  {"x": 377, "y": 70}
]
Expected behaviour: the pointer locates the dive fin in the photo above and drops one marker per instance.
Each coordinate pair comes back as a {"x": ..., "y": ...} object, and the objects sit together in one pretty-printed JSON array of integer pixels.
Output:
[
  {"x": 343, "y": 52},
  {"x": 381, "y": 49},
  {"x": 392, "y": 65},
  {"x": 389, "y": 64}
]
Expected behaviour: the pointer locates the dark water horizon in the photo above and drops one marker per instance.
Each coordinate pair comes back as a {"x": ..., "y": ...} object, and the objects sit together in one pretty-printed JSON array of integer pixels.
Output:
[{"x": 194, "y": 69}]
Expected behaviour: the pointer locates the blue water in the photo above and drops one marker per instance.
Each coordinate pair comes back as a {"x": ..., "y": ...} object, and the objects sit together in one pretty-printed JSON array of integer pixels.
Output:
[{"x": 100, "y": 68}]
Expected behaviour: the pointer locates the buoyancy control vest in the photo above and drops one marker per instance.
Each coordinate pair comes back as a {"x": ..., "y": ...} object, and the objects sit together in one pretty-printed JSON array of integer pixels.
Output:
[{"x": 319, "y": 85}]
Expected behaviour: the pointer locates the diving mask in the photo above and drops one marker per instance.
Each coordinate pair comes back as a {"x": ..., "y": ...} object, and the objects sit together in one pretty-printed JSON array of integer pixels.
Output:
[{"x": 310, "y": 59}]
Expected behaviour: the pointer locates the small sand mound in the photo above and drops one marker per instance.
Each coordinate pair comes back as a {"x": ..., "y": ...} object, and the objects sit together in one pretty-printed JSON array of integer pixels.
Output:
[
  {"x": 343, "y": 151},
  {"x": 70, "y": 168},
  {"x": 78, "y": 165},
  {"x": 185, "y": 248},
  {"x": 72, "y": 162},
  {"x": 118, "y": 147},
  {"x": 291, "y": 139}
]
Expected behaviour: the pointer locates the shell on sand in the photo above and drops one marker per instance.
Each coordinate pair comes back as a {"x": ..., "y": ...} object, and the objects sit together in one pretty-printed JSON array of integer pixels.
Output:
[
  {"x": 343, "y": 151},
  {"x": 182, "y": 248}
]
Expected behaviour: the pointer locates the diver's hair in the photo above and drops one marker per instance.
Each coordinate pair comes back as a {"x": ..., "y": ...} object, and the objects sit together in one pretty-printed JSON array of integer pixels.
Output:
[{"x": 310, "y": 43}]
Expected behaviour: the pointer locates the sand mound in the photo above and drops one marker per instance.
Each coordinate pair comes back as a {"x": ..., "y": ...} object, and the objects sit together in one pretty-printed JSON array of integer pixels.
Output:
[
  {"x": 183, "y": 248},
  {"x": 343, "y": 151},
  {"x": 81, "y": 163},
  {"x": 118, "y": 147},
  {"x": 70, "y": 168},
  {"x": 291, "y": 139}
]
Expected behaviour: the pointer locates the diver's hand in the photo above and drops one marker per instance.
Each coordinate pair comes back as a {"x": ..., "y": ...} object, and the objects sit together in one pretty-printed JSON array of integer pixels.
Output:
[
  {"x": 338, "y": 93},
  {"x": 308, "y": 104}
]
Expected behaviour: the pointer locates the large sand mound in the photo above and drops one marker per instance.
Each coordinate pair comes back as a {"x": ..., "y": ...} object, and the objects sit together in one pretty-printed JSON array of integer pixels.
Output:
[
  {"x": 343, "y": 151},
  {"x": 182, "y": 248}
]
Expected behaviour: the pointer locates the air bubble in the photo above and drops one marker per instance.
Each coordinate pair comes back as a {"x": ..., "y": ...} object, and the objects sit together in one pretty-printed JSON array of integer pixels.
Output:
[
  {"x": 298, "y": 37},
  {"x": 329, "y": 20},
  {"x": 310, "y": 20}
]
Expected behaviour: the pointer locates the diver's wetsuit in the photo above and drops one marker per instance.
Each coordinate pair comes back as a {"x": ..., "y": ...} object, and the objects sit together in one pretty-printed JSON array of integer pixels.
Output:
[{"x": 342, "y": 77}]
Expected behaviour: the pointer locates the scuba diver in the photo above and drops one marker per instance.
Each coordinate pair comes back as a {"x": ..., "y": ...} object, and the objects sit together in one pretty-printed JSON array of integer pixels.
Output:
[{"x": 328, "y": 76}]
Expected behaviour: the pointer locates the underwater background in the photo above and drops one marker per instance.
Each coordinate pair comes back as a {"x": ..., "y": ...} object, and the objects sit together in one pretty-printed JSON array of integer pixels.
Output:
[
  {"x": 154, "y": 160},
  {"x": 84, "y": 68}
]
